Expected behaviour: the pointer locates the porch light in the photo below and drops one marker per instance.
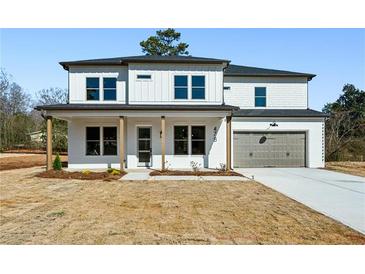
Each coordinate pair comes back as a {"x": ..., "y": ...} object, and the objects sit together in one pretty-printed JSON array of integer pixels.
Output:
[{"x": 274, "y": 124}]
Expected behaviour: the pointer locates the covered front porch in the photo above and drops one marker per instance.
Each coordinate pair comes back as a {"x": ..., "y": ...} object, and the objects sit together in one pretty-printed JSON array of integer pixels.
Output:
[{"x": 135, "y": 139}]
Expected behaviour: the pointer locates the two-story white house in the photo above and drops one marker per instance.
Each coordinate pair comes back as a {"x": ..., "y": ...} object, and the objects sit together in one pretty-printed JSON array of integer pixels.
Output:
[{"x": 166, "y": 111}]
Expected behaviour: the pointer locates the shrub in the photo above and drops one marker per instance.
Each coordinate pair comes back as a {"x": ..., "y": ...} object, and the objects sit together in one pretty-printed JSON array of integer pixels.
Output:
[
  {"x": 57, "y": 164},
  {"x": 195, "y": 166},
  {"x": 86, "y": 172},
  {"x": 222, "y": 167},
  {"x": 113, "y": 171}
]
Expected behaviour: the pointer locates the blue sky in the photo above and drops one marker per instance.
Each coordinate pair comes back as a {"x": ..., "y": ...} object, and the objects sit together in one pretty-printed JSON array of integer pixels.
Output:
[{"x": 337, "y": 56}]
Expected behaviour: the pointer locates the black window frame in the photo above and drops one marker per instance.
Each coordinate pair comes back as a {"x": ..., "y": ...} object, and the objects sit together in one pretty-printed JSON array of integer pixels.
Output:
[
  {"x": 198, "y": 139},
  {"x": 110, "y": 140},
  {"x": 197, "y": 87},
  {"x": 260, "y": 96},
  {"x": 144, "y": 77},
  {"x": 92, "y": 141},
  {"x": 181, "y": 140},
  {"x": 181, "y": 87},
  {"x": 92, "y": 88},
  {"x": 110, "y": 89}
]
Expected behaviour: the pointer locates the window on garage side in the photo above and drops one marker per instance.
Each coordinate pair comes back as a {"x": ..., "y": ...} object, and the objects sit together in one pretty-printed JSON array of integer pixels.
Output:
[
  {"x": 110, "y": 89},
  {"x": 260, "y": 97},
  {"x": 181, "y": 140},
  {"x": 92, "y": 141},
  {"x": 198, "y": 140},
  {"x": 198, "y": 87},
  {"x": 181, "y": 86},
  {"x": 110, "y": 141},
  {"x": 92, "y": 89}
]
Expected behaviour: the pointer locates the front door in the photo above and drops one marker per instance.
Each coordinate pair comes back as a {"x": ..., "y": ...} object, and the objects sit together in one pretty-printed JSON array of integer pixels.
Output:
[{"x": 144, "y": 146}]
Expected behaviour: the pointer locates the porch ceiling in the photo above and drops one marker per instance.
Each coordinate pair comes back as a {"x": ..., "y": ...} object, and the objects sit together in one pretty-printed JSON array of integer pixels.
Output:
[{"x": 67, "y": 111}]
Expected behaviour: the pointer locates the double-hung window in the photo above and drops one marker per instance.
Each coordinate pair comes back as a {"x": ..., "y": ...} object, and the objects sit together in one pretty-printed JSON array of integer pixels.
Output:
[
  {"x": 198, "y": 140},
  {"x": 197, "y": 87},
  {"x": 92, "y": 89},
  {"x": 92, "y": 141},
  {"x": 110, "y": 89},
  {"x": 110, "y": 141},
  {"x": 181, "y": 86},
  {"x": 181, "y": 140},
  {"x": 260, "y": 97}
]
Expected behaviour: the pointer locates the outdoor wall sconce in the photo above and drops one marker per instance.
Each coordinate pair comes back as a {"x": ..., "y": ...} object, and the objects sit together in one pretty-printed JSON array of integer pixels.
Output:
[
  {"x": 215, "y": 134},
  {"x": 160, "y": 134},
  {"x": 274, "y": 124}
]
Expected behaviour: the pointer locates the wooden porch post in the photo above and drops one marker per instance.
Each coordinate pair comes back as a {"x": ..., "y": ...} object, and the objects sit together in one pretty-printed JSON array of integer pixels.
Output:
[
  {"x": 228, "y": 142},
  {"x": 121, "y": 142},
  {"x": 49, "y": 143},
  {"x": 163, "y": 141}
]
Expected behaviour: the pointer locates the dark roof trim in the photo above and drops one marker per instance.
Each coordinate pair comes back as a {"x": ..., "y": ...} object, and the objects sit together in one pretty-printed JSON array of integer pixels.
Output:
[
  {"x": 137, "y": 107},
  {"x": 235, "y": 70},
  {"x": 278, "y": 113},
  {"x": 118, "y": 61}
]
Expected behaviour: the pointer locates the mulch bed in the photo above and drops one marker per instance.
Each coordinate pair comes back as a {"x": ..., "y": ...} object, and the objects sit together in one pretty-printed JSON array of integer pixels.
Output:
[
  {"x": 61, "y": 174},
  {"x": 31, "y": 151},
  {"x": 192, "y": 173}
]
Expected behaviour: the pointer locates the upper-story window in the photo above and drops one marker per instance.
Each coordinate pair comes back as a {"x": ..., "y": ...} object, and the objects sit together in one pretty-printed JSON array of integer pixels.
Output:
[
  {"x": 144, "y": 76},
  {"x": 198, "y": 87},
  {"x": 110, "y": 89},
  {"x": 181, "y": 86},
  {"x": 92, "y": 89},
  {"x": 260, "y": 97}
]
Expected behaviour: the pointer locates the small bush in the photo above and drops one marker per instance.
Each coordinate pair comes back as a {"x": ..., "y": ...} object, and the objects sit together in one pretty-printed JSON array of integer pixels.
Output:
[
  {"x": 195, "y": 166},
  {"x": 57, "y": 164},
  {"x": 86, "y": 172},
  {"x": 113, "y": 171},
  {"x": 56, "y": 214},
  {"x": 222, "y": 167}
]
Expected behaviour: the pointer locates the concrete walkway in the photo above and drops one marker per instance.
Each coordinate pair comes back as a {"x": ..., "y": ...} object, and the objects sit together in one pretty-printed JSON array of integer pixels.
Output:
[{"x": 337, "y": 195}]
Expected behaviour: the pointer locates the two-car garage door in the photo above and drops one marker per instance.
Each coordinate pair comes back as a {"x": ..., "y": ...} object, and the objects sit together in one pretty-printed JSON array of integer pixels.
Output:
[{"x": 274, "y": 149}]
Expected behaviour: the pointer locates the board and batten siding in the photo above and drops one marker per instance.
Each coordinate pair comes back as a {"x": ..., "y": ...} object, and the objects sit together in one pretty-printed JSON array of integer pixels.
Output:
[
  {"x": 281, "y": 92},
  {"x": 77, "y": 82},
  {"x": 160, "y": 88}
]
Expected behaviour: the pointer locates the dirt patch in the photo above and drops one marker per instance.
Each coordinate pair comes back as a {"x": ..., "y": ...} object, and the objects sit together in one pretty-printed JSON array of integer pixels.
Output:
[
  {"x": 61, "y": 174},
  {"x": 192, "y": 173},
  {"x": 25, "y": 161},
  {"x": 8, "y": 163},
  {"x": 353, "y": 168},
  {"x": 38, "y": 210}
]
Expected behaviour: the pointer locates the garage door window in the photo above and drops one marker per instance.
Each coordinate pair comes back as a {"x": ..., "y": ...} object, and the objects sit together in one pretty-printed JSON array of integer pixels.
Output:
[{"x": 260, "y": 97}]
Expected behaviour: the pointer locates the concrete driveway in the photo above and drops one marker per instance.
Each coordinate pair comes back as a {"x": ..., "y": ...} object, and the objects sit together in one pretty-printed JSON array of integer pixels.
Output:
[{"x": 337, "y": 195}]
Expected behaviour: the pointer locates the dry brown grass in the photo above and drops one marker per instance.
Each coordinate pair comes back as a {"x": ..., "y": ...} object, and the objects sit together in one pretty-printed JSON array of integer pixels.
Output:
[
  {"x": 353, "y": 168},
  {"x": 55, "y": 211},
  {"x": 8, "y": 163}
]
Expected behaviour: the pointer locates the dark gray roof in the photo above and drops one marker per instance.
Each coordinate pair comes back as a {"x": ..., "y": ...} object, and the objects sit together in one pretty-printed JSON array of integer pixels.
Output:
[
  {"x": 235, "y": 70},
  {"x": 136, "y": 107},
  {"x": 145, "y": 59},
  {"x": 278, "y": 113}
]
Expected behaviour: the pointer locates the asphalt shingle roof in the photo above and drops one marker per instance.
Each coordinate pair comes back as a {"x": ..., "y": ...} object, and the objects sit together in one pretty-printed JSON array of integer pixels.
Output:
[
  {"x": 235, "y": 70},
  {"x": 278, "y": 113}
]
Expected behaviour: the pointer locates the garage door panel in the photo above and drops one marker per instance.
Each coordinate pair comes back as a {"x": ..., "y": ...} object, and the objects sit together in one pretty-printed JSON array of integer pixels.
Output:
[{"x": 261, "y": 149}]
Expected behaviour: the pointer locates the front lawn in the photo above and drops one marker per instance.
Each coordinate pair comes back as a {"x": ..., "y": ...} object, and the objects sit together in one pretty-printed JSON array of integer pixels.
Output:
[
  {"x": 353, "y": 168},
  {"x": 56, "y": 211}
]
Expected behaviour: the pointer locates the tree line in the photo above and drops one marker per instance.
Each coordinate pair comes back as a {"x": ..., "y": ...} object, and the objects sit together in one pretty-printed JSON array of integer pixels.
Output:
[{"x": 18, "y": 118}]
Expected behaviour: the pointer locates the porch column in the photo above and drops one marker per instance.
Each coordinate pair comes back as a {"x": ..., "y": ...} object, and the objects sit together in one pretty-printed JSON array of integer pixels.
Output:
[
  {"x": 121, "y": 142},
  {"x": 228, "y": 142},
  {"x": 49, "y": 143},
  {"x": 163, "y": 141}
]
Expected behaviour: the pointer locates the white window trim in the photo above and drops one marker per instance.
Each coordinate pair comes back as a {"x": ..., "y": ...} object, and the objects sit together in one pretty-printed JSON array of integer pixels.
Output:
[{"x": 254, "y": 97}]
